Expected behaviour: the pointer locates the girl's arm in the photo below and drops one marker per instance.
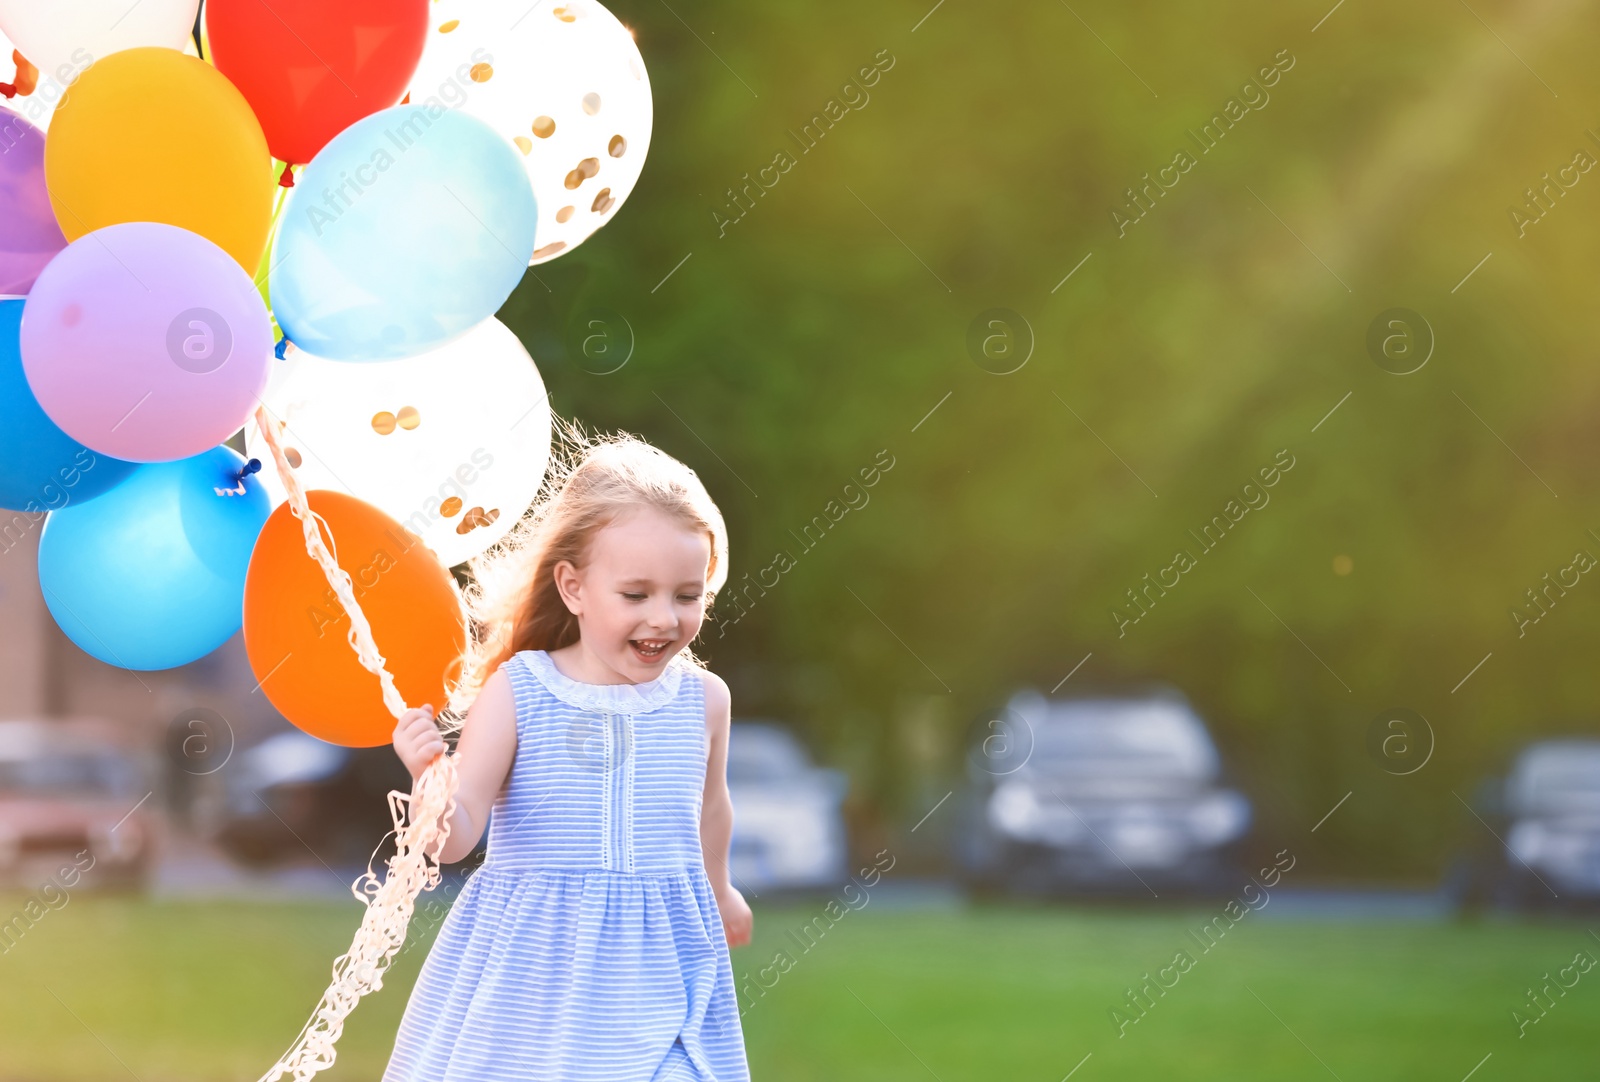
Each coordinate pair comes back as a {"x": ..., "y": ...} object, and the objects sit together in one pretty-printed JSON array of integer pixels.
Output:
[
  {"x": 716, "y": 815},
  {"x": 486, "y": 749}
]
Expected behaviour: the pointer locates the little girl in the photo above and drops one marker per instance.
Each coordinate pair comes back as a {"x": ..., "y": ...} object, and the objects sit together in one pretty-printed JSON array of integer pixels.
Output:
[{"x": 593, "y": 942}]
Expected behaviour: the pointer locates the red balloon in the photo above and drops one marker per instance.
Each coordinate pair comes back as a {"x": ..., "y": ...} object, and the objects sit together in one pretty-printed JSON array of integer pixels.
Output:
[{"x": 311, "y": 68}]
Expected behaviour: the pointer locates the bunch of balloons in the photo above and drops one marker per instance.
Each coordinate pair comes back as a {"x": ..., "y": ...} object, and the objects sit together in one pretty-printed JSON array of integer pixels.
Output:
[{"x": 302, "y": 215}]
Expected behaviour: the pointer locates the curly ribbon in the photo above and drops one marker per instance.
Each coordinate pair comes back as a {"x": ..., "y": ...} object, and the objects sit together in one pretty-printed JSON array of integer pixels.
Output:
[{"x": 421, "y": 825}]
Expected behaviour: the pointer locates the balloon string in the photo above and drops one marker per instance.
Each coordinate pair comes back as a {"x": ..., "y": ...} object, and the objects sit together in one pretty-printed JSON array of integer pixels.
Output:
[
  {"x": 264, "y": 264},
  {"x": 279, "y": 198},
  {"x": 421, "y": 825}
]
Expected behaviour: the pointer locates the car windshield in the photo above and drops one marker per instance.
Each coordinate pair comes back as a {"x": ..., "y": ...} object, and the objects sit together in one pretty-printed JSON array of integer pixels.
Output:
[
  {"x": 759, "y": 753},
  {"x": 1122, "y": 738},
  {"x": 1553, "y": 773}
]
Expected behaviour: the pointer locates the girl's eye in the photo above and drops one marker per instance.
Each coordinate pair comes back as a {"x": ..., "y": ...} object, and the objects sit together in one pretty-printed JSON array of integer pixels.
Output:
[
  {"x": 633, "y": 597},
  {"x": 688, "y": 599}
]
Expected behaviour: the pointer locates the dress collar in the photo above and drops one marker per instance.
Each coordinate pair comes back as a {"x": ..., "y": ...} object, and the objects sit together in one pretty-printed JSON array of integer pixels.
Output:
[{"x": 607, "y": 698}]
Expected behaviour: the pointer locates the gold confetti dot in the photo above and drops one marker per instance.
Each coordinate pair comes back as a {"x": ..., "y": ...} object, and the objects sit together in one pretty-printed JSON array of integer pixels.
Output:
[
  {"x": 451, "y": 507},
  {"x": 293, "y": 456},
  {"x": 589, "y": 167},
  {"x": 524, "y": 144},
  {"x": 565, "y": 14},
  {"x": 544, "y": 127},
  {"x": 550, "y": 249},
  {"x": 618, "y": 147},
  {"x": 591, "y": 103},
  {"x": 1343, "y": 565},
  {"x": 574, "y": 179},
  {"x": 481, "y": 73},
  {"x": 477, "y": 518},
  {"x": 409, "y": 418},
  {"x": 445, "y": 28},
  {"x": 383, "y": 423},
  {"x": 564, "y": 213},
  {"x": 603, "y": 202}
]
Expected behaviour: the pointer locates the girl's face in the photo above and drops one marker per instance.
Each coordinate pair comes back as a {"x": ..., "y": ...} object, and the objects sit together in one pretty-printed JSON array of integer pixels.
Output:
[{"x": 640, "y": 596}]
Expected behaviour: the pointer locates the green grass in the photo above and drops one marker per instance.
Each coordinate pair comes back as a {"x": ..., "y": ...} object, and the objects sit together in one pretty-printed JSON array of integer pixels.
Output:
[{"x": 165, "y": 991}]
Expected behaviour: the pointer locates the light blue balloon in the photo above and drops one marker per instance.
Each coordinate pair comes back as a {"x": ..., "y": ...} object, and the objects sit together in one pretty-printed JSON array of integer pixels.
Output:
[
  {"x": 41, "y": 467},
  {"x": 404, "y": 232},
  {"x": 151, "y": 574}
]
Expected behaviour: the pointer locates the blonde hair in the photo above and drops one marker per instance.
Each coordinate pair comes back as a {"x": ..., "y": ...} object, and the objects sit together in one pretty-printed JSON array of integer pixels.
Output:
[{"x": 512, "y": 601}]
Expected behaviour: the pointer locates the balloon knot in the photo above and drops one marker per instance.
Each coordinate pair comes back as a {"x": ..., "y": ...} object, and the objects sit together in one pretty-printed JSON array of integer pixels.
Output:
[
  {"x": 238, "y": 488},
  {"x": 286, "y": 178},
  {"x": 281, "y": 348},
  {"x": 26, "y": 80},
  {"x": 8, "y": 89}
]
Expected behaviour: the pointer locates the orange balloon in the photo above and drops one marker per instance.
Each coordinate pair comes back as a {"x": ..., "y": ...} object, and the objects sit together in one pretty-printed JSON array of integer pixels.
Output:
[{"x": 296, "y": 633}]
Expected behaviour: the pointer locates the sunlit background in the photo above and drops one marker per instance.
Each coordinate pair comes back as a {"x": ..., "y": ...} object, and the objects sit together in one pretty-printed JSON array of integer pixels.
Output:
[{"x": 1158, "y": 449}]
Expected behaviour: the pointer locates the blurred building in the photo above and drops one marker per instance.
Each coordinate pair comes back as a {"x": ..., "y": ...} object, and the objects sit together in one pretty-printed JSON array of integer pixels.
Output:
[
  {"x": 23, "y": 616},
  {"x": 43, "y": 674}
]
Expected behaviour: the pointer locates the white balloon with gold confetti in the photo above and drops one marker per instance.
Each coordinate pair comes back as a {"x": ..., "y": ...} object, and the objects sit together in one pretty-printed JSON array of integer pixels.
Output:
[
  {"x": 453, "y": 443},
  {"x": 565, "y": 84}
]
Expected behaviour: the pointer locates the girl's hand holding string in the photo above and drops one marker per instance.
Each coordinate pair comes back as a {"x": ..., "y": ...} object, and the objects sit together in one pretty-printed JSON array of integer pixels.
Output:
[
  {"x": 417, "y": 739},
  {"x": 482, "y": 757}
]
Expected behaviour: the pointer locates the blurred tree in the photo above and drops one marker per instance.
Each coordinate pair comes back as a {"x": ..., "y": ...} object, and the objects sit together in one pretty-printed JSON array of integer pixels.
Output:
[{"x": 780, "y": 355}]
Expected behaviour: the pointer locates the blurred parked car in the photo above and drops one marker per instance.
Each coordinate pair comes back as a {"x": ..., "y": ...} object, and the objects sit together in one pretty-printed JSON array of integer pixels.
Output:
[
  {"x": 73, "y": 796},
  {"x": 293, "y": 796},
  {"x": 1547, "y": 812},
  {"x": 1108, "y": 795},
  {"x": 788, "y": 827}
]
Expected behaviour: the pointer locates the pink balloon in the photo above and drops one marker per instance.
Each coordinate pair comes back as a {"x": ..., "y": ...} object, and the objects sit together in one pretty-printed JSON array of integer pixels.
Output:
[
  {"x": 146, "y": 342},
  {"x": 29, "y": 235}
]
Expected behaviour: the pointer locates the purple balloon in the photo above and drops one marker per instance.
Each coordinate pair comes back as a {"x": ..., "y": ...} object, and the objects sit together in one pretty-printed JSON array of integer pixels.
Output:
[
  {"x": 29, "y": 235},
  {"x": 146, "y": 342}
]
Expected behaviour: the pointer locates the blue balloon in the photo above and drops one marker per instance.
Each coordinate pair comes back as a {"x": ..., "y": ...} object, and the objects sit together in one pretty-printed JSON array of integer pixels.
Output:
[
  {"x": 41, "y": 467},
  {"x": 151, "y": 575},
  {"x": 405, "y": 231}
]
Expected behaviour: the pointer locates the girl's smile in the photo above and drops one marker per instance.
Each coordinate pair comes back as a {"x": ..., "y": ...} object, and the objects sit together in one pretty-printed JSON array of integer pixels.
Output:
[{"x": 649, "y": 651}]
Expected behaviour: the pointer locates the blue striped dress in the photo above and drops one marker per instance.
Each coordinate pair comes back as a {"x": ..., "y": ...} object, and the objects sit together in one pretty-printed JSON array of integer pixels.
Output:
[{"x": 589, "y": 945}]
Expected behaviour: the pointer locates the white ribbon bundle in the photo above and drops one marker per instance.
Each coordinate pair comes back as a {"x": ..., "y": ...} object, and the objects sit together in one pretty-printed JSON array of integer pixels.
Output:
[{"x": 421, "y": 827}]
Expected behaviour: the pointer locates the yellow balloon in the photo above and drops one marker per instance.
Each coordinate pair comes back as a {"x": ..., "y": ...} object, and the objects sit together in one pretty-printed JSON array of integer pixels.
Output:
[{"x": 153, "y": 135}]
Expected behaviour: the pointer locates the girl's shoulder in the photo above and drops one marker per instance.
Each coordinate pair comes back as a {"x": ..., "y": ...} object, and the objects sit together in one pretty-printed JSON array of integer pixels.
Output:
[{"x": 719, "y": 700}]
